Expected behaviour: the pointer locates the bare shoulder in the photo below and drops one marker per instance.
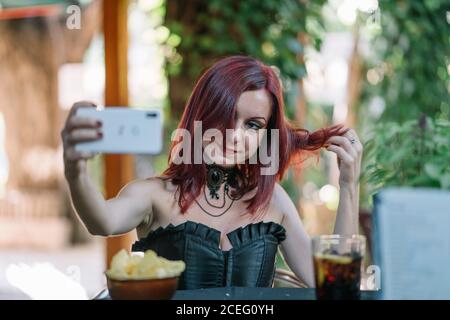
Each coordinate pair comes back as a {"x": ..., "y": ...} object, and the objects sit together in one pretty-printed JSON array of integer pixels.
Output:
[
  {"x": 138, "y": 187},
  {"x": 148, "y": 190},
  {"x": 159, "y": 195},
  {"x": 162, "y": 193},
  {"x": 283, "y": 202},
  {"x": 157, "y": 185},
  {"x": 279, "y": 196}
]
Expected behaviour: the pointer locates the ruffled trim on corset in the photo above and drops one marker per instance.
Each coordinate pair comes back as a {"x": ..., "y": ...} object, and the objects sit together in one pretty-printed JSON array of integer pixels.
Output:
[
  {"x": 210, "y": 235},
  {"x": 201, "y": 231},
  {"x": 255, "y": 231}
]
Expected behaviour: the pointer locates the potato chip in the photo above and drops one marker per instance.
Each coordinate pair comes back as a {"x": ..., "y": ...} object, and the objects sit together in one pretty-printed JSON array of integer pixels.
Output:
[{"x": 149, "y": 266}]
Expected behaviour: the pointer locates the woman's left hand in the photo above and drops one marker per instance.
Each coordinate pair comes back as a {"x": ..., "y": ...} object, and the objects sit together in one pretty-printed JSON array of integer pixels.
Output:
[{"x": 348, "y": 149}]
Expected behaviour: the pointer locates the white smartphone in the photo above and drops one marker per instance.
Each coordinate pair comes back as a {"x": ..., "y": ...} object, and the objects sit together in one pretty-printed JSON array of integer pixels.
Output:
[{"x": 125, "y": 130}]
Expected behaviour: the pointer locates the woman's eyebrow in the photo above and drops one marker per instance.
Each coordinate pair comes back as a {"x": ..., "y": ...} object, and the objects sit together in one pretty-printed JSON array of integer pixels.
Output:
[{"x": 258, "y": 118}]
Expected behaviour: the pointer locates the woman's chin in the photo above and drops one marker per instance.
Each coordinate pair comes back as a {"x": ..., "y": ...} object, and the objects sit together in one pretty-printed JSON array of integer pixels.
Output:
[{"x": 228, "y": 161}]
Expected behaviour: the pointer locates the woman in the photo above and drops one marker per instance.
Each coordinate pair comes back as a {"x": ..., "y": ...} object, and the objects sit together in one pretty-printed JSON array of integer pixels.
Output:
[{"x": 224, "y": 216}]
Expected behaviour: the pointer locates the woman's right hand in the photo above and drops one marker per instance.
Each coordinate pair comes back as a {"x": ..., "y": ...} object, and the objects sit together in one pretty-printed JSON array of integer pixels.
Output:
[{"x": 78, "y": 129}]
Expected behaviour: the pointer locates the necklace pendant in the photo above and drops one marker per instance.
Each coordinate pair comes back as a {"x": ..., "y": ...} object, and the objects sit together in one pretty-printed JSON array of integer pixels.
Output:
[
  {"x": 215, "y": 177},
  {"x": 213, "y": 194}
]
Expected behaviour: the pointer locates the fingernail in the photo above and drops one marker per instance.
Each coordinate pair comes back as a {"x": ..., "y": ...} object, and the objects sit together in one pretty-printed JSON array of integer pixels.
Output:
[
  {"x": 100, "y": 134},
  {"x": 98, "y": 124}
]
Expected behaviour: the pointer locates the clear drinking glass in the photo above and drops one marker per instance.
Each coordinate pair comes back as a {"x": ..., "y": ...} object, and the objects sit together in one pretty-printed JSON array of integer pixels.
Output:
[{"x": 337, "y": 266}]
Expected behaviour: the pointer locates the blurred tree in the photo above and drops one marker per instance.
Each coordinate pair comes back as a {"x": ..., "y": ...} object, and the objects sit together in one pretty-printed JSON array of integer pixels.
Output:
[{"x": 411, "y": 68}]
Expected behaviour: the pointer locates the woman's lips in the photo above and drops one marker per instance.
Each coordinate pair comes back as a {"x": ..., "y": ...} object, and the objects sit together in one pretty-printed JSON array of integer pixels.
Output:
[{"x": 227, "y": 149}]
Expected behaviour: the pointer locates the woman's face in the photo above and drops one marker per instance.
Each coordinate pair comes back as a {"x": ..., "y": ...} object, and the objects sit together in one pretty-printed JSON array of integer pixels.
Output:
[{"x": 253, "y": 111}]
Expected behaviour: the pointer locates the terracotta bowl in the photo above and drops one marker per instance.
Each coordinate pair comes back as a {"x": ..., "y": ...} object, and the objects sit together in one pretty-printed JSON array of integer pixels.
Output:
[{"x": 151, "y": 289}]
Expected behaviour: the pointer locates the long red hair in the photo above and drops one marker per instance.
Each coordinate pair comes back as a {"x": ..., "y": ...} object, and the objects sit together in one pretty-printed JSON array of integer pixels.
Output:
[{"x": 213, "y": 101}]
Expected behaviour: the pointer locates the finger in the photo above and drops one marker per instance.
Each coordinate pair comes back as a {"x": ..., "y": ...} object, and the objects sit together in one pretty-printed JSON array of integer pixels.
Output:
[
  {"x": 345, "y": 143},
  {"x": 73, "y": 155},
  {"x": 80, "y": 104},
  {"x": 342, "y": 154},
  {"x": 85, "y": 155},
  {"x": 352, "y": 135},
  {"x": 81, "y": 135},
  {"x": 75, "y": 122}
]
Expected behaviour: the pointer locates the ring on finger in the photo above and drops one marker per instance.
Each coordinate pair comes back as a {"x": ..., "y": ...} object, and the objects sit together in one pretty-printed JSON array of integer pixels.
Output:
[{"x": 352, "y": 140}]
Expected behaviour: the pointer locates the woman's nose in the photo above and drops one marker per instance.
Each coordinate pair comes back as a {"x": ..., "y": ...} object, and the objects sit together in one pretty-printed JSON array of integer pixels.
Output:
[{"x": 237, "y": 135}]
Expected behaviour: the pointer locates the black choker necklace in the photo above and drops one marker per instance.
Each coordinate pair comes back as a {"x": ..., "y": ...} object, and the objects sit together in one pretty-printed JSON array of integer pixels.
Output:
[{"x": 215, "y": 177}]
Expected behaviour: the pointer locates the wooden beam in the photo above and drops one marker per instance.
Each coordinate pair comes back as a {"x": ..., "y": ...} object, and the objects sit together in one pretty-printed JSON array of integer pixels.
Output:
[{"x": 119, "y": 169}]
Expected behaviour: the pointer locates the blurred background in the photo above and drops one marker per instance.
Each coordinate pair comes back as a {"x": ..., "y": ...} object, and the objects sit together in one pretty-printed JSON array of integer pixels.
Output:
[{"x": 381, "y": 67}]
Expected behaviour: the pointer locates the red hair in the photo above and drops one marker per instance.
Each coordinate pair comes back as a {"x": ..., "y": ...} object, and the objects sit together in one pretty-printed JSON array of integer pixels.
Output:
[{"x": 213, "y": 101}]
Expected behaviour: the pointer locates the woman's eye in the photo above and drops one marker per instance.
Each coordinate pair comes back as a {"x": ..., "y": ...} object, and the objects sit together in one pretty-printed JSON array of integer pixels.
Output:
[{"x": 254, "y": 125}]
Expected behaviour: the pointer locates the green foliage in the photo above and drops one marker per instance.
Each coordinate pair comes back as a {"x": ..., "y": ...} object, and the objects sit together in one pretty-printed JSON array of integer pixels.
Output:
[
  {"x": 408, "y": 67},
  {"x": 415, "y": 153},
  {"x": 413, "y": 54}
]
